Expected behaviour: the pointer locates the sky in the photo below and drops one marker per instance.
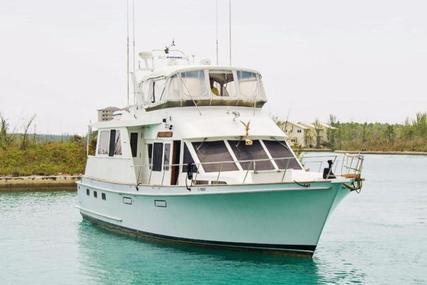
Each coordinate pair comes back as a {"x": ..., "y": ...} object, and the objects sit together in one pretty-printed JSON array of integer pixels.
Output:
[{"x": 360, "y": 60}]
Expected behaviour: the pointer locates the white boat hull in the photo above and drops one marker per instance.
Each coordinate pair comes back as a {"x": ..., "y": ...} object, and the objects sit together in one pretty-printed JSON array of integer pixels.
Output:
[{"x": 278, "y": 217}]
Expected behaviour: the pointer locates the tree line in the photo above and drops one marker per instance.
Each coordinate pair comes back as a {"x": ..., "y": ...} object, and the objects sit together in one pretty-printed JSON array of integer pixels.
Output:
[{"x": 409, "y": 136}]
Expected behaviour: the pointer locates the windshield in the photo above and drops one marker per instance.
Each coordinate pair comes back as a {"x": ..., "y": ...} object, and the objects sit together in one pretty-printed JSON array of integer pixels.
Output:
[
  {"x": 282, "y": 155},
  {"x": 215, "y": 151},
  {"x": 251, "y": 152}
]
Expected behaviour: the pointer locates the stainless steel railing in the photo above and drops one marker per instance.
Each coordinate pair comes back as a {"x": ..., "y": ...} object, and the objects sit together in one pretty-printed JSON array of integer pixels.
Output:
[{"x": 345, "y": 165}]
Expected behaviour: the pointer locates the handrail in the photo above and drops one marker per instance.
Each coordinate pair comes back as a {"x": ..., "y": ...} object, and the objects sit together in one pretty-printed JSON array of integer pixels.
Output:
[{"x": 350, "y": 164}]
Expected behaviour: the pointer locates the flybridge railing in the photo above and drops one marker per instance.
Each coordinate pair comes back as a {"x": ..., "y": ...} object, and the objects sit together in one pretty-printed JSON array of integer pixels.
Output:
[{"x": 347, "y": 165}]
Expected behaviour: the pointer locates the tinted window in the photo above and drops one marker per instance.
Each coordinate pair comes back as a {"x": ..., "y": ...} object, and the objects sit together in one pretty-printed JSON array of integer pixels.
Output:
[
  {"x": 166, "y": 160},
  {"x": 157, "y": 156},
  {"x": 134, "y": 143},
  {"x": 278, "y": 151},
  {"x": 187, "y": 158},
  {"x": 104, "y": 142},
  {"x": 251, "y": 152},
  {"x": 150, "y": 155},
  {"x": 115, "y": 144},
  {"x": 112, "y": 142},
  {"x": 214, "y": 152}
]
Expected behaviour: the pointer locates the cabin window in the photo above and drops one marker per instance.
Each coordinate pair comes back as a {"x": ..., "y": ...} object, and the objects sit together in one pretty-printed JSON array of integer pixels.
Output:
[
  {"x": 158, "y": 90},
  {"x": 95, "y": 194},
  {"x": 150, "y": 155},
  {"x": 279, "y": 151},
  {"x": 215, "y": 151},
  {"x": 103, "y": 143},
  {"x": 103, "y": 196},
  {"x": 157, "y": 156},
  {"x": 193, "y": 84},
  {"x": 221, "y": 83},
  {"x": 246, "y": 154},
  {"x": 134, "y": 144},
  {"x": 115, "y": 144},
  {"x": 87, "y": 192},
  {"x": 166, "y": 160},
  {"x": 248, "y": 84},
  {"x": 187, "y": 158}
]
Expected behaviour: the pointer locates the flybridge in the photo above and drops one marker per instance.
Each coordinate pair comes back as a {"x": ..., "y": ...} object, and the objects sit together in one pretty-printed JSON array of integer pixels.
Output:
[{"x": 180, "y": 84}]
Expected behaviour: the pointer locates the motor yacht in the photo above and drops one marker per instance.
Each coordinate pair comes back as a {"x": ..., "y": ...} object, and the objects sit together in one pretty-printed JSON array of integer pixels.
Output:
[{"x": 195, "y": 160}]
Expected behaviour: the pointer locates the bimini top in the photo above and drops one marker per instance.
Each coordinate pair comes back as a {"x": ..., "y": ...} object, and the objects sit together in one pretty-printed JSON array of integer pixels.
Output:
[{"x": 200, "y": 85}]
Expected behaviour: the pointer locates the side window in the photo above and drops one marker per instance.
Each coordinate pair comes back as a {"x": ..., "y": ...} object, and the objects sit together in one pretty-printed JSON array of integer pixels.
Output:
[
  {"x": 166, "y": 160},
  {"x": 157, "y": 156},
  {"x": 193, "y": 84},
  {"x": 150, "y": 155},
  {"x": 134, "y": 144},
  {"x": 187, "y": 158},
  {"x": 115, "y": 143},
  {"x": 118, "y": 144},
  {"x": 248, "y": 84},
  {"x": 103, "y": 143}
]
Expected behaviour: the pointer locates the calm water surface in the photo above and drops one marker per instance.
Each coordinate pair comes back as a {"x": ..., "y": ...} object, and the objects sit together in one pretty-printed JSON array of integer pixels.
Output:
[{"x": 376, "y": 237}]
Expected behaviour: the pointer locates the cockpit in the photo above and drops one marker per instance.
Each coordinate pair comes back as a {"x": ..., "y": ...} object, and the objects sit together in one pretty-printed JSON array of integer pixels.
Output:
[{"x": 201, "y": 86}]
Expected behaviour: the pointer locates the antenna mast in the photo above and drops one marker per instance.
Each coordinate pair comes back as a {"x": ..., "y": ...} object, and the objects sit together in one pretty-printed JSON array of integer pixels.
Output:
[
  {"x": 133, "y": 50},
  {"x": 127, "y": 53},
  {"x": 229, "y": 28},
  {"x": 216, "y": 30}
]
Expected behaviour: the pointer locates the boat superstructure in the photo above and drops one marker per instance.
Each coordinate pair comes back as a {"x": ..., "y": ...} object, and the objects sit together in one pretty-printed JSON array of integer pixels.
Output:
[{"x": 196, "y": 160}]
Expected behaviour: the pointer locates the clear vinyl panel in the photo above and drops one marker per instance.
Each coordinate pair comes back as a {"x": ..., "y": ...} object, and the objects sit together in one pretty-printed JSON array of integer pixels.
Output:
[{"x": 193, "y": 85}]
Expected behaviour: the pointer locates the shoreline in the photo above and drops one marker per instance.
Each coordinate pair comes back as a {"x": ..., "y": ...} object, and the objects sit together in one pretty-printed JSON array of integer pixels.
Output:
[
  {"x": 367, "y": 152},
  {"x": 68, "y": 182},
  {"x": 40, "y": 183}
]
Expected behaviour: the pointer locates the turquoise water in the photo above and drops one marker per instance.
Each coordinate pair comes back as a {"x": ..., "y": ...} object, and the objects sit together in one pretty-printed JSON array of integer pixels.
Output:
[{"x": 376, "y": 237}]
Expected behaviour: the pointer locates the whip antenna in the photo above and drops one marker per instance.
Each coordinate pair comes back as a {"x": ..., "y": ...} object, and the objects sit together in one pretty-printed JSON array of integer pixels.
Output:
[
  {"x": 216, "y": 29},
  {"x": 229, "y": 28},
  {"x": 127, "y": 53},
  {"x": 133, "y": 49}
]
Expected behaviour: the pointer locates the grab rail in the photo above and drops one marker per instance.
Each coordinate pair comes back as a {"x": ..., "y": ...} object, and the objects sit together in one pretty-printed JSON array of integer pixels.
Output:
[{"x": 350, "y": 165}]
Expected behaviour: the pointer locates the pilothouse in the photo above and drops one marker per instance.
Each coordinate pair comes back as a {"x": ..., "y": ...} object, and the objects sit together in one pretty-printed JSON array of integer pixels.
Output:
[{"x": 195, "y": 160}]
